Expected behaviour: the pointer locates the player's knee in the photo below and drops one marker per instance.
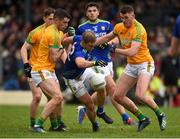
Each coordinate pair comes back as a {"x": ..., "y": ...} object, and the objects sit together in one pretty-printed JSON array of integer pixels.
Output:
[
  {"x": 90, "y": 106},
  {"x": 140, "y": 96},
  {"x": 98, "y": 81},
  {"x": 116, "y": 97},
  {"x": 58, "y": 99},
  {"x": 37, "y": 97}
]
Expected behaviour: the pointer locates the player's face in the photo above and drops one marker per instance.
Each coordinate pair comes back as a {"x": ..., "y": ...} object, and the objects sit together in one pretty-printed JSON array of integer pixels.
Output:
[
  {"x": 49, "y": 19},
  {"x": 62, "y": 24},
  {"x": 127, "y": 19},
  {"x": 92, "y": 13},
  {"x": 88, "y": 46}
]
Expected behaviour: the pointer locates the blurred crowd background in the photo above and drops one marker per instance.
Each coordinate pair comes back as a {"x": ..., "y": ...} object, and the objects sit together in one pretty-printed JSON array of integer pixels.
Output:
[{"x": 18, "y": 17}]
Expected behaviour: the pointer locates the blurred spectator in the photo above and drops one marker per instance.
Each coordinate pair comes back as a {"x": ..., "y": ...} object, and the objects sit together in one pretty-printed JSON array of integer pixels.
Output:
[
  {"x": 169, "y": 73},
  {"x": 16, "y": 21}
]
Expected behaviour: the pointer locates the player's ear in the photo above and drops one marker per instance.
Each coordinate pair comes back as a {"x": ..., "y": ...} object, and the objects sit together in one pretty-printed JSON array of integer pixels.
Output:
[{"x": 44, "y": 18}]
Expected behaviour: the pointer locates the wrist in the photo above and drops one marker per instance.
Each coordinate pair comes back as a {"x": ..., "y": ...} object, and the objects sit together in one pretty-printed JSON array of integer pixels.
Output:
[{"x": 94, "y": 63}]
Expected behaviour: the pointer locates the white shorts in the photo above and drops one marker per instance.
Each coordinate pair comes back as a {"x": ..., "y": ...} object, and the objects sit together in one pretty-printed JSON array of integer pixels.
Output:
[
  {"x": 78, "y": 86},
  {"x": 134, "y": 70},
  {"x": 39, "y": 76},
  {"x": 107, "y": 70}
]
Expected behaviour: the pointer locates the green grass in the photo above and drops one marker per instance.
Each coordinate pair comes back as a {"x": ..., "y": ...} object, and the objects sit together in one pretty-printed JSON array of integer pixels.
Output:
[{"x": 14, "y": 122}]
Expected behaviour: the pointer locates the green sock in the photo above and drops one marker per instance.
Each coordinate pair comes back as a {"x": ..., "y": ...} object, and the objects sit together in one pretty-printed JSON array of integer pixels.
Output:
[
  {"x": 40, "y": 121},
  {"x": 32, "y": 121},
  {"x": 157, "y": 111},
  {"x": 139, "y": 115},
  {"x": 54, "y": 123},
  {"x": 59, "y": 120}
]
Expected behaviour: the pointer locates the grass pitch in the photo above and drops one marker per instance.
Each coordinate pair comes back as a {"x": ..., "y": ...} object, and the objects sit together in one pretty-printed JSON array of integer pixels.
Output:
[{"x": 14, "y": 122}]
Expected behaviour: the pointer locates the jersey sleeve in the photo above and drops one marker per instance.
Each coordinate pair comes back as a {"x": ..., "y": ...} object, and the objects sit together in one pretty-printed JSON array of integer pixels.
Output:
[
  {"x": 79, "y": 54},
  {"x": 31, "y": 39},
  {"x": 52, "y": 39},
  {"x": 77, "y": 38},
  {"x": 115, "y": 30},
  {"x": 139, "y": 33},
  {"x": 78, "y": 31}
]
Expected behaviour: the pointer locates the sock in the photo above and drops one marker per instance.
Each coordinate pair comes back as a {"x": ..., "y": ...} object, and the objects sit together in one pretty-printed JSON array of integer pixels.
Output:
[
  {"x": 32, "y": 121},
  {"x": 157, "y": 111},
  {"x": 39, "y": 121},
  {"x": 54, "y": 123},
  {"x": 100, "y": 109},
  {"x": 95, "y": 123},
  {"x": 139, "y": 115},
  {"x": 125, "y": 116},
  {"x": 85, "y": 110},
  {"x": 59, "y": 120}
]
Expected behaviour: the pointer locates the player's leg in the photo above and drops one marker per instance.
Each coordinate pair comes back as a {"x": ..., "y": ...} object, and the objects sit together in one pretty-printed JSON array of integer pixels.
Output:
[
  {"x": 110, "y": 88},
  {"x": 78, "y": 89},
  {"x": 36, "y": 98},
  {"x": 142, "y": 85},
  {"x": 59, "y": 111},
  {"x": 100, "y": 109},
  {"x": 49, "y": 86},
  {"x": 124, "y": 83},
  {"x": 90, "y": 111}
]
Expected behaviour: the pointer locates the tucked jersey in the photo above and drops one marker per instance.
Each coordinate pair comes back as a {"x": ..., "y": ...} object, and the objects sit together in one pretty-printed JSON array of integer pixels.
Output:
[
  {"x": 50, "y": 39},
  {"x": 135, "y": 33},
  {"x": 176, "y": 31},
  {"x": 70, "y": 69},
  {"x": 100, "y": 28},
  {"x": 34, "y": 39}
]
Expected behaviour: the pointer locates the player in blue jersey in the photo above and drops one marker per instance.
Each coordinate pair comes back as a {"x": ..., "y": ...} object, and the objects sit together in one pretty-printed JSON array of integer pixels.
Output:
[
  {"x": 100, "y": 28},
  {"x": 76, "y": 73},
  {"x": 175, "y": 42}
]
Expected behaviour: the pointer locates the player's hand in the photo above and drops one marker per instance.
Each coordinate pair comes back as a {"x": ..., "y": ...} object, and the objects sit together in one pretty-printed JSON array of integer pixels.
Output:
[
  {"x": 27, "y": 70},
  {"x": 104, "y": 45},
  {"x": 112, "y": 48},
  {"x": 71, "y": 31},
  {"x": 101, "y": 63}
]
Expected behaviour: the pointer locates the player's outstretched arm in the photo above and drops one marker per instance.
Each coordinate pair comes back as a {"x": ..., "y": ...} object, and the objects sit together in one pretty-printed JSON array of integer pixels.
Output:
[
  {"x": 82, "y": 63},
  {"x": 105, "y": 38},
  {"x": 24, "y": 52},
  {"x": 130, "y": 51}
]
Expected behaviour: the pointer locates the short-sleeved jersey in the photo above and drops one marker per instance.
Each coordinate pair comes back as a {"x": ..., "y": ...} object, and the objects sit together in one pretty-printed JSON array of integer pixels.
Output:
[
  {"x": 50, "y": 39},
  {"x": 135, "y": 33},
  {"x": 176, "y": 31},
  {"x": 34, "y": 39},
  {"x": 70, "y": 69},
  {"x": 100, "y": 28}
]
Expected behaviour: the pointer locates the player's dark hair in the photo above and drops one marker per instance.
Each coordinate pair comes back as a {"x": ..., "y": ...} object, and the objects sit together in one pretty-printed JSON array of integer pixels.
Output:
[
  {"x": 88, "y": 36},
  {"x": 91, "y": 4},
  {"x": 126, "y": 9},
  {"x": 48, "y": 11},
  {"x": 61, "y": 13}
]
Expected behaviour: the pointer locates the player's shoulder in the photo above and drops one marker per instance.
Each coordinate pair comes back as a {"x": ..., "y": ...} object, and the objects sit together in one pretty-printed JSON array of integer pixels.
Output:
[
  {"x": 103, "y": 21},
  {"x": 37, "y": 29},
  {"x": 119, "y": 25},
  {"x": 51, "y": 30},
  {"x": 139, "y": 26},
  {"x": 83, "y": 24}
]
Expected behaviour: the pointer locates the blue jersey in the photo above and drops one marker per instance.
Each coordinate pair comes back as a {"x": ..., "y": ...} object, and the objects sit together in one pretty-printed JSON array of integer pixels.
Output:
[
  {"x": 176, "y": 32},
  {"x": 100, "y": 28},
  {"x": 70, "y": 69}
]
